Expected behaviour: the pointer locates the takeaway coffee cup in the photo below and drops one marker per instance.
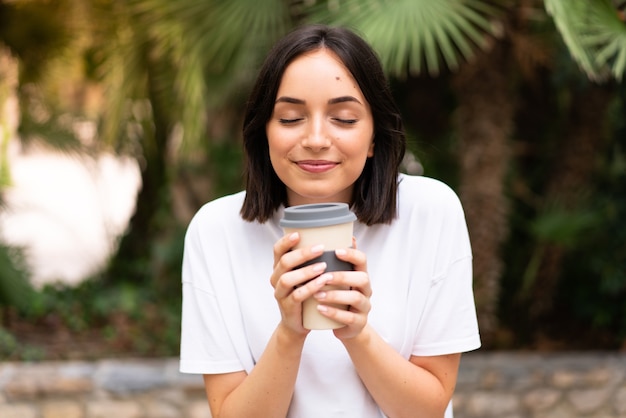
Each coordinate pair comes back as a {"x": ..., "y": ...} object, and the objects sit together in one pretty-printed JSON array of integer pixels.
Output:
[{"x": 330, "y": 224}]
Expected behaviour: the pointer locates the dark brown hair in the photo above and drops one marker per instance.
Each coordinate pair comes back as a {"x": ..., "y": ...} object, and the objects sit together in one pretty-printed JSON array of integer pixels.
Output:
[{"x": 374, "y": 196}]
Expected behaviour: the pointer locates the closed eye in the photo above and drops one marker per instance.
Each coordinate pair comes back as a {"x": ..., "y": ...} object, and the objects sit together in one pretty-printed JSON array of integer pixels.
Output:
[
  {"x": 346, "y": 121},
  {"x": 289, "y": 121}
]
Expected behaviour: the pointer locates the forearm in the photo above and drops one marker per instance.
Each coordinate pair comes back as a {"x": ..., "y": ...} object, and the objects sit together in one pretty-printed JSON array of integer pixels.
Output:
[
  {"x": 399, "y": 387},
  {"x": 267, "y": 391}
]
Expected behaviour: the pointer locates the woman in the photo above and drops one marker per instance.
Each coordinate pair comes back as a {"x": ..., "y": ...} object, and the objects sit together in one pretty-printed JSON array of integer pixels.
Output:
[{"x": 321, "y": 126}]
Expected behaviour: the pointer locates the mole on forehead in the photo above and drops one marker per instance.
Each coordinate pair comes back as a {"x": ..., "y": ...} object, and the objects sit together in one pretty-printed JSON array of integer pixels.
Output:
[{"x": 337, "y": 78}]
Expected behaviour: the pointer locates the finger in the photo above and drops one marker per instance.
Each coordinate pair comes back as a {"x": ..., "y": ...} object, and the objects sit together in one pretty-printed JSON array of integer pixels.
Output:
[
  {"x": 356, "y": 280},
  {"x": 299, "y": 294},
  {"x": 296, "y": 258},
  {"x": 347, "y": 317},
  {"x": 292, "y": 259},
  {"x": 295, "y": 278},
  {"x": 344, "y": 298},
  {"x": 353, "y": 256},
  {"x": 284, "y": 244}
]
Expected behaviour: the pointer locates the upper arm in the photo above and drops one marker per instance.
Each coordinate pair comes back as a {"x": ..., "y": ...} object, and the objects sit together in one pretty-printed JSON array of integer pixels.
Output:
[
  {"x": 219, "y": 386},
  {"x": 445, "y": 368}
]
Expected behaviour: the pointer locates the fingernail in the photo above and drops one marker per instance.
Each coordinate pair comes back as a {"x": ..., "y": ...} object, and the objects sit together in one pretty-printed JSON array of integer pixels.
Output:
[
  {"x": 317, "y": 249},
  {"x": 293, "y": 236},
  {"x": 341, "y": 251},
  {"x": 319, "y": 266},
  {"x": 322, "y": 308},
  {"x": 320, "y": 295}
]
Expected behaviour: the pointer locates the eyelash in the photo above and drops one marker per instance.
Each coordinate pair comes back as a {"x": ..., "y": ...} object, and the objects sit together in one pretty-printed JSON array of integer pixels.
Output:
[
  {"x": 289, "y": 121},
  {"x": 346, "y": 121},
  {"x": 292, "y": 121}
]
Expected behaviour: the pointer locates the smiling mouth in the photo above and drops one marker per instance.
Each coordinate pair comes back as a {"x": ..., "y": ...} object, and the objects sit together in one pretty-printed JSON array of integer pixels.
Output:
[{"x": 316, "y": 166}]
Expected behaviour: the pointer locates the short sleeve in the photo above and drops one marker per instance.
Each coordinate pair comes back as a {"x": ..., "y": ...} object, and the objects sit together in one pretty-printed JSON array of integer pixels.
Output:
[
  {"x": 206, "y": 342},
  {"x": 449, "y": 323},
  {"x": 205, "y": 346}
]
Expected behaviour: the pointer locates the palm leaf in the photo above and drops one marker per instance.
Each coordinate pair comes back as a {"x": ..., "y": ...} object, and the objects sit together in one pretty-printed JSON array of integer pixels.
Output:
[
  {"x": 413, "y": 35},
  {"x": 202, "y": 44},
  {"x": 594, "y": 35},
  {"x": 235, "y": 36},
  {"x": 119, "y": 66}
]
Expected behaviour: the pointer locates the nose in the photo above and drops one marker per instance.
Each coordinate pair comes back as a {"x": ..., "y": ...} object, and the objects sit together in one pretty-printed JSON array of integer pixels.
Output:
[{"x": 316, "y": 137}]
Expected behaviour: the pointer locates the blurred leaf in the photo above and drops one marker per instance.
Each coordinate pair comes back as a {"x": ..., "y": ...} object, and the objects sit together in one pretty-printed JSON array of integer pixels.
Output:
[
  {"x": 563, "y": 227},
  {"x": 594, "y": 34},
  {"x": 413, "y": 36},
  {"x": 49, "y": 133},
  {"x": 35, "y": 32},
  {"x": 182, "y": 46},
  {"x": 15, "y": 289},
  {"x": 8, "y": 344}
]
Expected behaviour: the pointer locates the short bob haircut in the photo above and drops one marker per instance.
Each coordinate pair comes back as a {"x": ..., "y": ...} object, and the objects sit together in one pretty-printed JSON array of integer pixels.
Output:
[{"x": 374, "y": 196}]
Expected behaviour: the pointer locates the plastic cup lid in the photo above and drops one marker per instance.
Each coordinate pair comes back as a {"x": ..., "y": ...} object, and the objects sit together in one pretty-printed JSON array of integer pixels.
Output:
[{"x": 316, "y": 215}]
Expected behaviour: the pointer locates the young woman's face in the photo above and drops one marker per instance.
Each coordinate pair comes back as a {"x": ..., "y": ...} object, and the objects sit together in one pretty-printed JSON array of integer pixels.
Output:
[{"x": 321, "y": 130}]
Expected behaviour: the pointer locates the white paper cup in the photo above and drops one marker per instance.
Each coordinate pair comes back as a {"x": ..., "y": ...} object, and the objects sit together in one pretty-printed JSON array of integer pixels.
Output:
[{"x": 330, "y": 224}]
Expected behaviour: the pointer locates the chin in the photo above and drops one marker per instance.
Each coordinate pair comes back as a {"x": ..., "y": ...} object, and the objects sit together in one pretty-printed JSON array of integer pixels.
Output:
[{"x": 303, "y": 199}]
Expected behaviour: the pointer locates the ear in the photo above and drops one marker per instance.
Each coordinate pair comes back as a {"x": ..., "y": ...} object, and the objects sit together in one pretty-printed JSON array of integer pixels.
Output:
[{"x": 370, "y": 151}]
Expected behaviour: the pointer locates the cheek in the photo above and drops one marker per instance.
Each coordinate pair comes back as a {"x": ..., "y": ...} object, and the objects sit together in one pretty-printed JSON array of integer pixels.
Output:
[
  {"x": 272, "y": 140},
  {"x": 280, "y": 141},
  {"x": 277, "y": 150},
  {"x": 274, "y": 154}
]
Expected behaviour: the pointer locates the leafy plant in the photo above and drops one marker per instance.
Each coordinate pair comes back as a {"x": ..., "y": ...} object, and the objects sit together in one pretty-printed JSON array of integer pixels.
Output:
[
  {"x": 595, "y": 34},
  {"x": 417, "y": 36},
  {"x": 557, "y": 226},
  {"x": 15, "y": 289}
]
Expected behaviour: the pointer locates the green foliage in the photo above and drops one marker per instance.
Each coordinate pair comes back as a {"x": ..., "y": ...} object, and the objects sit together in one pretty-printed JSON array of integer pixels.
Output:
[
  {"x": 34, "y": 33},
  {"x": 595, "y": 285},
  {"x": 595, "y": 288},
  {"x": 189, "y": 51},
  {"x": 595, "y": 34},
  {"x": 416, "y": 36},
  {"x": 10, "y": 348},
  {"x": 15, "y": 289},
  {"x": 45, "y": 124},
  {"x": 126, "y": 318},
  {"x": 172, "y": 69},
  {"x": 226, "y": 167},
  {"x": 592, "y": 237},
  {"x": 564, "y": 227},
  {"x": 8, "y": 344}
]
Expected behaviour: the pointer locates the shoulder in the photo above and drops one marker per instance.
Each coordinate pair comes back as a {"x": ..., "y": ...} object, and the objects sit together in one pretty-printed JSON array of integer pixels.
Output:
[
  {"x": 218, "y": 214},
  {"x": 426, "y": 194},
  {"x": 224, "y": 205}
]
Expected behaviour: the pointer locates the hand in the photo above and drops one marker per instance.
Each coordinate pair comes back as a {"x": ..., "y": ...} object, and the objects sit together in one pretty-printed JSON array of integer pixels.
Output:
[
  {"x": 357, "y": 297},
  {"x": 292, "y": 287}
]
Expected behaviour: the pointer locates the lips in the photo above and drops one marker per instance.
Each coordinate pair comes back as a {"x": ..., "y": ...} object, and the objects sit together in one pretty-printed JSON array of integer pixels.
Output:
[{"x": 316, "y": 166}]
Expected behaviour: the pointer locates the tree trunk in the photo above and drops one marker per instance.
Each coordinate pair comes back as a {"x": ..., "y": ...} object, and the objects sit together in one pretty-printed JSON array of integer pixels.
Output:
[{"x": 484, "y": 121}]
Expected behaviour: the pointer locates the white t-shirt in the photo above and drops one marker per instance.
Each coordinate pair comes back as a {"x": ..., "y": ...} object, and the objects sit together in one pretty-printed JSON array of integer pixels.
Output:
[{"x": 420, "y": 268}]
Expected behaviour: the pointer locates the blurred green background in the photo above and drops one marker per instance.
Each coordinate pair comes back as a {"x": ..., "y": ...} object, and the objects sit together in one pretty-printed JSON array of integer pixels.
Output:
[{"x": 519, "y": 105}]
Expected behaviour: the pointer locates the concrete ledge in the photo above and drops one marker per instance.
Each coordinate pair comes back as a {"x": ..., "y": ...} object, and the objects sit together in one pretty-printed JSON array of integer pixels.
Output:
[
  {"x": 520, "y": 385},
  {"x": 129, "y": 388},
  {"x": 498, "y": 384}
]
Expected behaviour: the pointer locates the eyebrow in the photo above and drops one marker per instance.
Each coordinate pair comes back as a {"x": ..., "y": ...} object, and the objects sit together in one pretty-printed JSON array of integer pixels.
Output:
[{"x": 336, "y": 100}]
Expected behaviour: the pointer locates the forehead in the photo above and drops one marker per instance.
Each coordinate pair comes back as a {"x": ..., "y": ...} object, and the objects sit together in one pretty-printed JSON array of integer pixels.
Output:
[
  {"x": 318, "y": 67},
  {"x": 320, "y": 55}
]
